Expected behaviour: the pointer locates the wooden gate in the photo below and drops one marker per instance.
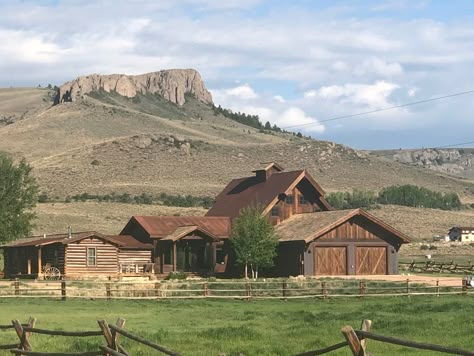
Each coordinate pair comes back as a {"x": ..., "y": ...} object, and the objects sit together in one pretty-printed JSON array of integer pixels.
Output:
[
  {"x": 371, "y": 260},
  {"x": 330, "y": 261}
]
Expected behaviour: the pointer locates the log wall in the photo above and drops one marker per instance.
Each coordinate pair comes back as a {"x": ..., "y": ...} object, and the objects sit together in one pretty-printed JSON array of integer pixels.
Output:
[{"x": 76, "y": 258}]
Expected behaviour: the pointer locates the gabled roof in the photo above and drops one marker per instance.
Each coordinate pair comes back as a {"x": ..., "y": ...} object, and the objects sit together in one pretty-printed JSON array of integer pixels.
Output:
[
  {"x": 244, "y": 192},
  {"x": 183, "y": 231},
  {"x": 124, "y": 241},
  {"x": 462, "y": 228},
  {"x": 310, "y": 226},
  {"x": 268, "y": 165},
  {"x": 162, "y": 226}
]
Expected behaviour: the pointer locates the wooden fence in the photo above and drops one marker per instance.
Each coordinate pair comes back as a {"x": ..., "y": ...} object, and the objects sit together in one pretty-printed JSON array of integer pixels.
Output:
[
  {"x": 356, "y": 340},
  {"x": 110, "y": 333},
  {"x": 225, "y": 289},
  {"x": 430, "y": 266}
]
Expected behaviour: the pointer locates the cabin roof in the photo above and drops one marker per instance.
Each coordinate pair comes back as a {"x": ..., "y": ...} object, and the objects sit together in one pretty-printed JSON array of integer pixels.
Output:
[
  {"x": 183, "y": 231},
  {"x": 310, "y": 226},
  {"x": 244, "y": 192},
  {"x": 162, "y": 226},
  {"x": 462, "y": 228},
  {"x": 124, "y": 241}
]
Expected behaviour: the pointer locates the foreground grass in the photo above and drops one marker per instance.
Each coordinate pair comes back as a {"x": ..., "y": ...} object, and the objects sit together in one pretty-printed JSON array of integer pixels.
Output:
[{"x": 252, "y": 328}]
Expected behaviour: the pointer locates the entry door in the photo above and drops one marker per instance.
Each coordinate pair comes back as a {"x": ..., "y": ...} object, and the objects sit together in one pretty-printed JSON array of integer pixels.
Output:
[
  {"x": 330, "y": 261},
  {"x": 371, "y": 260}
]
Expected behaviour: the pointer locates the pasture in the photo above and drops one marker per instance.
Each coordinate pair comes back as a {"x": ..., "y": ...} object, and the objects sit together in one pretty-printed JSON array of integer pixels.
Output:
[{"x": 265, "y": 327}]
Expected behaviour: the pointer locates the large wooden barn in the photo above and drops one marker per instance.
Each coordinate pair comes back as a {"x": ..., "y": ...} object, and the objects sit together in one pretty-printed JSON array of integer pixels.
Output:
[{"x": 77, "y": 255}]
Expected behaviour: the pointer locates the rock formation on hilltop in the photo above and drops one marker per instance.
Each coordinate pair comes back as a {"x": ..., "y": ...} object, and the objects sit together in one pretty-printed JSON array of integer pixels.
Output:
[{"x": 170, "y": 84}]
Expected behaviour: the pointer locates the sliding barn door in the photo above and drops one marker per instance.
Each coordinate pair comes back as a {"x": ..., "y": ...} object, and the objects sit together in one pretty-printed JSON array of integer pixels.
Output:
[{"x": 330, "y": 261}]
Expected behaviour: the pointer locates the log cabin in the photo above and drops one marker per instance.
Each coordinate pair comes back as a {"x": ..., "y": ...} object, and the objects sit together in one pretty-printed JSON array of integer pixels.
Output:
[{"x": 77, "y": 255}]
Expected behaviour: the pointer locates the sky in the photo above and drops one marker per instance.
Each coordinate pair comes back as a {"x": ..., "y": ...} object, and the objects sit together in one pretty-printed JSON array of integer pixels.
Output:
[{"x": 295, "y": 63}]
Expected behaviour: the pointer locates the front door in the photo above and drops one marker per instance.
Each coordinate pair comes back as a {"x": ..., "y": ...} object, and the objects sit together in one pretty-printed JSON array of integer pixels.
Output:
[
  {"x": 330, "y": 261},
  {"x": 192, "y": 256}
]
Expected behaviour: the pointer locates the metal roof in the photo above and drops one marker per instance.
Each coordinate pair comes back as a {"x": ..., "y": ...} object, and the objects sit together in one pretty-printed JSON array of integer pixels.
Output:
[
  {"x": 244, "y": 192},
  {"x": 162, "y": 226}
]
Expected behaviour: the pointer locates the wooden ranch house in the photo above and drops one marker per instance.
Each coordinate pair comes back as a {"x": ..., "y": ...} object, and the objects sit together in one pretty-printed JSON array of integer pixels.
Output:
[
  {"x": 77, "y": 255},
  {"x": 314, "y": 238}
]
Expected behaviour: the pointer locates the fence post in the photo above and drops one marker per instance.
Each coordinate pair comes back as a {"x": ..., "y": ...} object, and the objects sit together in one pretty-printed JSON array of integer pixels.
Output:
[
  {"x": 353, "y": 341},
  {"x": 107, "y": 290},
  {"x": 24, "y": 336},
  {"x": 247, "y": 290},
  {"x": 408, "y": 287},
  {"x": 63, "y": 290},
  {"x": 17, "y": 286},
  {"x": 437, "y": 287},
  {"x": 366, "y": 324},
  {"x": 205, "y": 290},
  {"x": 324, "y": 290},
  {"x": 361, "y": 289},
  {"x": 284, "y": 286},
  {"x": 464, "y": 286},
  {"x": 157, "y": 289}
]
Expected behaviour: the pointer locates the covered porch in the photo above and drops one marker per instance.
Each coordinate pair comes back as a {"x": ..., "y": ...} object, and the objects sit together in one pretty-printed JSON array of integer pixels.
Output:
[{"x": 192, "y": 250}]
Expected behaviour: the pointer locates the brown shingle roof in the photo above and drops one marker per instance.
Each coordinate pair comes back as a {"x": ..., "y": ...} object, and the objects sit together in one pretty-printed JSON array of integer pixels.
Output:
[
  {"x": 244, "y": 192},
  {"x": 310, "y": 226},
  {"x": 162, "y": 226}
]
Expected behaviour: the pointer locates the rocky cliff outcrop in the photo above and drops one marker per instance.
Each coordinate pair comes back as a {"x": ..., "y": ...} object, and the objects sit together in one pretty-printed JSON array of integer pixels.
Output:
[
  {"x": 453, "y": 161},
  {"x": 170, "y": 84}
]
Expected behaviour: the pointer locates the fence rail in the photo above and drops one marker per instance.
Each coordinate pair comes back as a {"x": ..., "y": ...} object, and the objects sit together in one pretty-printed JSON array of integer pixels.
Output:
[
  {"x": 110, "y": 333},
  {"x": 247, "y": 290},
  {"x": 430, "y": 266}
]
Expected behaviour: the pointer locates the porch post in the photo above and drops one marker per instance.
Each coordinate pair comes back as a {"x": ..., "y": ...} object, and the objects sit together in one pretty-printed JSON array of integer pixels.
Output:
[
  {"x": 175, "y": 256},
  {"x": 39, "y": 261},
  {"x": 29, "y": 264}
]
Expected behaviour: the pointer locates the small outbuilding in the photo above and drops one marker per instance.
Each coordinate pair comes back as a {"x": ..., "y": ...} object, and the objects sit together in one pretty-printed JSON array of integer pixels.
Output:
[
  {"x": 462, "y": 234},
  {"x": 77, "y": 255},
  {"x": 344, "y": 242}
]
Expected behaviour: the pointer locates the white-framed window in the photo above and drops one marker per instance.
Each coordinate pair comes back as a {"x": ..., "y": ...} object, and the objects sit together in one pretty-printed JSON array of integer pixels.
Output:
[
  {"x": 289, "y": 199},
  {"x": 275, "y": 211},
  {"x": 91, "y": 256},
  {"x": 302, "y": 200}
]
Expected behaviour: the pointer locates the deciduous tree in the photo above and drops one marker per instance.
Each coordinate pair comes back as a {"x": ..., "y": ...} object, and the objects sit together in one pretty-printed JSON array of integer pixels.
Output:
[
  {"x": 254, "y": 240},
  {"x": 18, "y": 195}
]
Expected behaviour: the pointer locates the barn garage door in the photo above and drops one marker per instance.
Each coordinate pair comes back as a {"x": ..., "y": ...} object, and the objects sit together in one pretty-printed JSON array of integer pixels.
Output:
[
  {"x": 371, "y": 260},
  {"x": 330, "y": 261}
]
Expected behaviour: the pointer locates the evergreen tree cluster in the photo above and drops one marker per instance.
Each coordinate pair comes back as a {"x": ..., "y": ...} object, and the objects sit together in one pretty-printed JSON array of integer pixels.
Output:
[
  {"x": 405, "y": 195},
  {"x": 249, "y": 120}
]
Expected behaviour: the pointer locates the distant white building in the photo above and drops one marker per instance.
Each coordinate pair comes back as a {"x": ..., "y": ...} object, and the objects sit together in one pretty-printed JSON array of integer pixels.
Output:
[{"x": 462, "y": 233}]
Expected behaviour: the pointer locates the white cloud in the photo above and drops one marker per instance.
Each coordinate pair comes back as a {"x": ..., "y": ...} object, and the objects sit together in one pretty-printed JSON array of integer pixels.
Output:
[
  {"x": 243, "y": 91},
  {"x": 279, "y": 98},
  {"x": 371, "y": 95},
  {"x": 297, "y": 118},
  {"x": 379, "y": 67},
  {"x": 412, "y": 92}
]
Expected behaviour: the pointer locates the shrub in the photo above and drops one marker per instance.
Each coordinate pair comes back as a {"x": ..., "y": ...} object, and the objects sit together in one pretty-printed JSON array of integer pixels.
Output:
[
  {"x": 43, "y": 198},
  {"x": 432, "y": 247},
  {"x": 95, "y": 162},
  {"x": 176, "y": 275},
  {"x": 424, "y": 247}
]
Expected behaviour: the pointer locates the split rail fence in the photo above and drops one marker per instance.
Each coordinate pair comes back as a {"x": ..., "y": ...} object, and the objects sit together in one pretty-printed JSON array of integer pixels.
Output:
[
  {"x": 247, "y": 290},
  {"x": 430, "y": 266},
  {"x": 355, "y": 340},
  {"x": 110, "y": 332}
]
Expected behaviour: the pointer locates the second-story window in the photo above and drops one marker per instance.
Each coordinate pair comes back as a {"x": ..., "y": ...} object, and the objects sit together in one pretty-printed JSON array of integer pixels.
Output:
[
  {"x": 275, "y": 211},
  {"x": 289, "y": 199},
  {"x": 302, "y": 200}
]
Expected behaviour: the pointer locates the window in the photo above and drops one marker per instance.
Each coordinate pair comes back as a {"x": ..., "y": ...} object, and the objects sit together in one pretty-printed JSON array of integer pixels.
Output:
[
  {"x": 220, "y": 255},
  {"x": 275, "y": 211},
  {"x": 302, "y": 200},
  {"x": 91, "y": 256},
  {"x": 289, "y": 199}
]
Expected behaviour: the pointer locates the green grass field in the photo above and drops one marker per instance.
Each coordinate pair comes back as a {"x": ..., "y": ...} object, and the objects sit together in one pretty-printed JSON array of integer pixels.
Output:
[{"x": 251, "y": 328}]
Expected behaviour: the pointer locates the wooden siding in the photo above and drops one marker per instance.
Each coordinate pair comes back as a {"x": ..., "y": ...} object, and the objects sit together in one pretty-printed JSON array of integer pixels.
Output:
[
  {"x": 287, "y": 210},
  {"x": 106, "y": 258},
  {"x": 350, "y": 230},
  {"x": 371, "y": 260},
  {"x": 330, "y": 261}
]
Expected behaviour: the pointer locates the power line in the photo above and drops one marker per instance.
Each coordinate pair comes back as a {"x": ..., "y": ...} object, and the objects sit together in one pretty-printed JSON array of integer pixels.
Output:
[
  {"x": 382, "y": 109},
  {"x": 393, "y": 151}
]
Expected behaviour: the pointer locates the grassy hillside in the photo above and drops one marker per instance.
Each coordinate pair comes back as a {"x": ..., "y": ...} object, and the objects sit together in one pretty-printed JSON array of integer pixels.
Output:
[{"x": 108, "y": 143}]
